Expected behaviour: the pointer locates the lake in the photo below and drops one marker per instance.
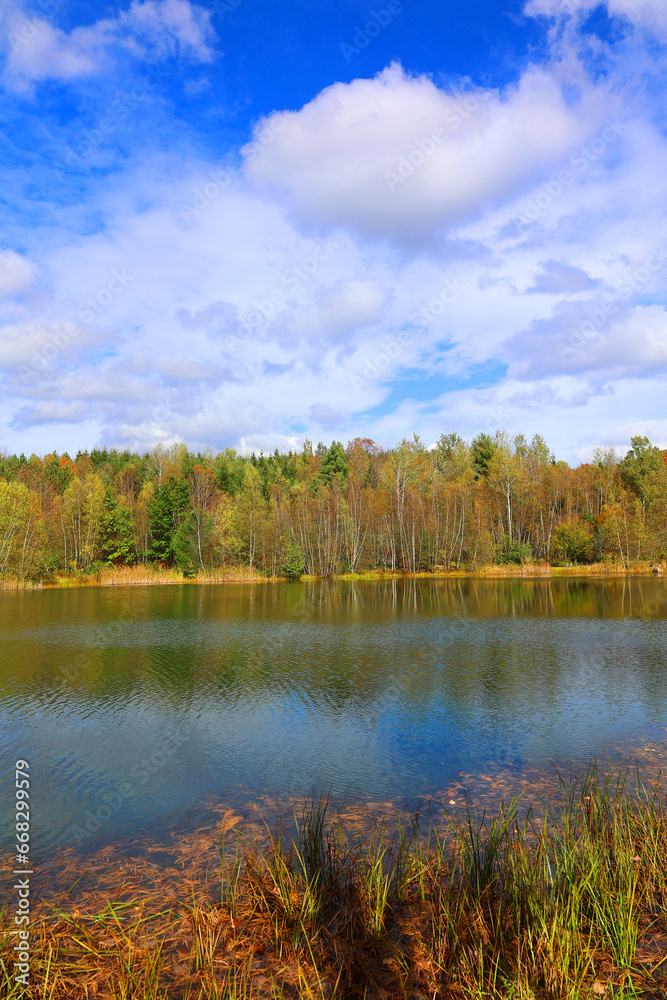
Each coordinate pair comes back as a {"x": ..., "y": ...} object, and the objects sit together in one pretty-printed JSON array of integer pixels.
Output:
[{"x": 139, "y": 708}]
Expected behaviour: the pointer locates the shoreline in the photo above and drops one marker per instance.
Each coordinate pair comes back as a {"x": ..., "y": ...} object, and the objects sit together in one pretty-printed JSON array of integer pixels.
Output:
[
  {"x": 323, "y": 909},
  {"x": 149, "y": 576}
]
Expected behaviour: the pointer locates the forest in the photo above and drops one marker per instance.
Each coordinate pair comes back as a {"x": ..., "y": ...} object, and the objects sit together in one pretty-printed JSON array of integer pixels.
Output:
[{"x": 331, "y": 510}]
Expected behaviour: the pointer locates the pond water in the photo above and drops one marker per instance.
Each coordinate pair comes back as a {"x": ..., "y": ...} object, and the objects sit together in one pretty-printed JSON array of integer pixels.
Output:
[{"x": 138, "y": 708}]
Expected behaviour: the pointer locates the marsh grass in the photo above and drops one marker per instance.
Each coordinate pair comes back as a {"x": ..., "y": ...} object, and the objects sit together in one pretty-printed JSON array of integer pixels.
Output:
[
  {"x": 568, "y": 900},
  {"x": 18, "y": 583},
  {"x": 123, "y": 576},
  {"x": 148, "y": 574}
]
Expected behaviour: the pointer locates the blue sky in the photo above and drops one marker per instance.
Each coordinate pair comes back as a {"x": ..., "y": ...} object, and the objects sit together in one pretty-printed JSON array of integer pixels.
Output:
[{"x": 243, "y": 223}]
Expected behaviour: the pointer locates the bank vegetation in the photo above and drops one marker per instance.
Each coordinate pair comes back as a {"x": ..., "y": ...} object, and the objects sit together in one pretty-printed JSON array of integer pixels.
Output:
[{"x": 170, "y": 514}]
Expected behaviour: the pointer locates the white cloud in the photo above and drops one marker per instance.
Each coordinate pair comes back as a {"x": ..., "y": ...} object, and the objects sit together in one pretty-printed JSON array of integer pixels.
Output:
[
  {"x": 558, "y": 276},
  {"x": 396, "y": 157},
  {"x": 36, "y": 50},
  {"x": 29, "y": 349},
  {"x": 174, "y": 362},
  {"x": 339, "y": 311},
  {"x": 582, "y": 339},
  {"x": 164, "y": 25},
  {"x": 16, "y": 273},
  {"x": 461, "y": 333},
  {"x": 326, "y": 416},
  {"x": 651, "y": 14}
]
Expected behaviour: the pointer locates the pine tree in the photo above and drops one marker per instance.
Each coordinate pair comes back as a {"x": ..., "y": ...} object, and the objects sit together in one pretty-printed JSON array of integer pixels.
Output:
[
  {"x": 334, "y": 464},
  {"x": 166, "y": 511},
  {"x": 116, "y": 534}
]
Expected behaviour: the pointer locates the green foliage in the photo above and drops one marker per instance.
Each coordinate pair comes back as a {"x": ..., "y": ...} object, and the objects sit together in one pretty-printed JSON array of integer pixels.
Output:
[
  {"x": 166, "y": 511},
  {"x": 116, "y": 534},
  {"x": 354, "y": 508},
  {"x": 185, "y": 545},
  {"x": 483, "y": 449},
  {"x": 294, "y": 563},
  {"x": 511, "y": 551},
  {"x": 572, "y": 542},
  {"x": 449, "y": 445},
  {"x": 334, "y": 464},
  {"x": 228, "y": 469},
  {"x": 644, "y": 470},
  {"x": 59, "y": 476},
  {"x": 454, "y": 456}
]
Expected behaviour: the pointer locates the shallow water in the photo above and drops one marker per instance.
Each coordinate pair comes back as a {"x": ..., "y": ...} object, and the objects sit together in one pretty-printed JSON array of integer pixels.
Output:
[{"x": 139, "y": 708}]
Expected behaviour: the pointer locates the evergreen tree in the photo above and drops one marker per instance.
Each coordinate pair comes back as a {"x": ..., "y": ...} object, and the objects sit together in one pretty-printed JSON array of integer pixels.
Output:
[
  {"x": 294, "y": 562},
  {"x": 60, "y": 476},
  {"x": 483, "y": 449},
  {"x": 333, "y": 464},
  {"x": 166, "y": 511},
  {"x": 644, "y": 471},
  {"x": 185, "y": 544},
  {"x": 116, "y": 535}
]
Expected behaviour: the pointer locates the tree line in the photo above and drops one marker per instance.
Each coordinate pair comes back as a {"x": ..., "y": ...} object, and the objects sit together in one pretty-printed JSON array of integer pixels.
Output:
[{"x": 329, "y": 510}]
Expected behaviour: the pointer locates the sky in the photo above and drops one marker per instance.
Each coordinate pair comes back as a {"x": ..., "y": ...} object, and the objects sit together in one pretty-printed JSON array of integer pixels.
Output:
[{"x": 242, "y": 223}]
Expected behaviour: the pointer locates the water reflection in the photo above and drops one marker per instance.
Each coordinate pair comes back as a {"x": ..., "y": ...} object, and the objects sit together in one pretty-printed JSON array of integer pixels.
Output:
[{"x": 372, "y": 690}]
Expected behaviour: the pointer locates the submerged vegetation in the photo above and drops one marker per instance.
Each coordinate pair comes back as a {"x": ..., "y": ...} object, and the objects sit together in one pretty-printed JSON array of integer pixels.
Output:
[
  {"x": 568, "y": 901},
  {"x": 329, "y": 511}
]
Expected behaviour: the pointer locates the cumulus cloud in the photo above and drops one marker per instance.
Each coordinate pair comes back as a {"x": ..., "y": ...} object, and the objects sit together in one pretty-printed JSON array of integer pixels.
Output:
[
  {"x": 397, "y": 157},
  {"x": 240, "y": 318},
  {"x": 36, "y": 50}
]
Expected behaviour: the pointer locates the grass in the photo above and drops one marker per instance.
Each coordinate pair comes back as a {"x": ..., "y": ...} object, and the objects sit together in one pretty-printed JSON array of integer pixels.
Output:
[
  {"x": 120, "y": 576},
  {"x": 558, "y": 904},
  {"x": 140, "y": 575},
  {"x": 18, "y": 583},
  {"x": 148, "y": 574}
]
